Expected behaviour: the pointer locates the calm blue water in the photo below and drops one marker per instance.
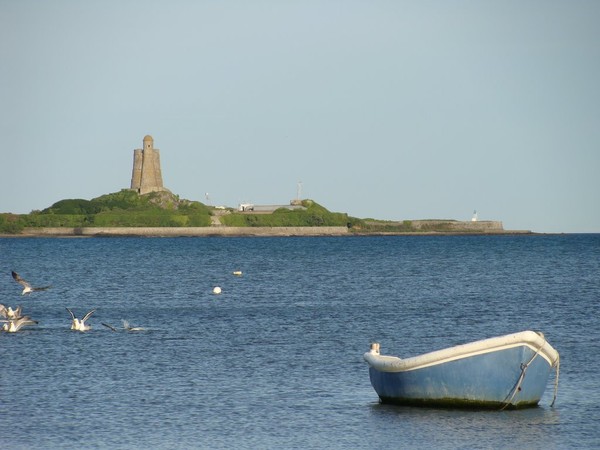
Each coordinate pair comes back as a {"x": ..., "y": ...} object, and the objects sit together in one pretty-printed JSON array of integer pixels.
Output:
[{"x": 275, "y": 361}]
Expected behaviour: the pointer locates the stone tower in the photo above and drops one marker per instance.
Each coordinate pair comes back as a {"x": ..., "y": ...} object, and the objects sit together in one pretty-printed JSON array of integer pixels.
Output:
[{"x": 146, "y": 176}]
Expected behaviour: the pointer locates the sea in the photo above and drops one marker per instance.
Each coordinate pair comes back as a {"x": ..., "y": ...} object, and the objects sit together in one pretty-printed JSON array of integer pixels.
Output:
[{"x": 275, "y": 361}]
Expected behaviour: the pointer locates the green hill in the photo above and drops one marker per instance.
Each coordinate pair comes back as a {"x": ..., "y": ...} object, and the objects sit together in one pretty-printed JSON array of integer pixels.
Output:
[
  {"x": 120, "y": 209},
  {"x": 161, "y": 209},
  {"x": 310, "y": 215}
]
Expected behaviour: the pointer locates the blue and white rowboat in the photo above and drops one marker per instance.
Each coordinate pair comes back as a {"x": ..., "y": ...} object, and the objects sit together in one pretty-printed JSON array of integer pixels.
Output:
[{"x": 509, "y": 371}]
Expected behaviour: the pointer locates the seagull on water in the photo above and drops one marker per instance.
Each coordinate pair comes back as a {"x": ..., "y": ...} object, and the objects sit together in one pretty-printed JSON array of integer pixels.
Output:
[
  {"x": 14, "y": 325},
  {"x": 9, "y": 313},
  {"x": 80, "y": 325},
  {"x": 126, "y": 327},
  {"x": 27, "y": 289}
]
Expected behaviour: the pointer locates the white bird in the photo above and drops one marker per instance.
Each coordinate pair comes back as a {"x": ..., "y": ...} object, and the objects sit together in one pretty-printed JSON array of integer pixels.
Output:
[
  {"x": 27, "y": 289},
  {"x": 128, "y": 327},
  {"x": 9, "y": 313},
  {"x": 14, "y": 325},
  {"x": 79, "y": 325}
]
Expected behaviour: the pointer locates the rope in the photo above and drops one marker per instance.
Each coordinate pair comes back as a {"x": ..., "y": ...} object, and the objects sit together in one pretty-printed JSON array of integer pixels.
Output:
[
  {"x": 556, "y": 381},
  {"x": 521, "y": 378}
]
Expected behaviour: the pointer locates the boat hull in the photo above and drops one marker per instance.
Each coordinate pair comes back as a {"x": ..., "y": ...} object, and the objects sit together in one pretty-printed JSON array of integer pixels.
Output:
[{"x": 506, "y": 372}]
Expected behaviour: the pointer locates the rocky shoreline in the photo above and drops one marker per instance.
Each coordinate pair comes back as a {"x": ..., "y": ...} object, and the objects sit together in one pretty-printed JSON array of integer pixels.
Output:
[
  {"x": 234, "y": 232},
  {"x": 183, "y": 231}
]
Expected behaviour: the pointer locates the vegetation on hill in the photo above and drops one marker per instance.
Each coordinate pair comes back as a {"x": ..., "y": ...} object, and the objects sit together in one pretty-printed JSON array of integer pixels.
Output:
[
  {"x": 311, "y": 215},
  {"x": 120, "y": 209},
  {"x": 127, "y": 208},
  {"x": 381, "y": 226}
]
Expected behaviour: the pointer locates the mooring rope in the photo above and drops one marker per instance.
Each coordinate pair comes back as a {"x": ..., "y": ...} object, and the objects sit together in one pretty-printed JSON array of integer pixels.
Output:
[
  {"x": 521, "y": 377},
  {"x": 556, "y": 382}
]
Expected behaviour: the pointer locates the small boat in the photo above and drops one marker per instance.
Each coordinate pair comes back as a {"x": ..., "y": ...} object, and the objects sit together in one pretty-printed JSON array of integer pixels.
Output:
[{"x": 509, "y": 371}]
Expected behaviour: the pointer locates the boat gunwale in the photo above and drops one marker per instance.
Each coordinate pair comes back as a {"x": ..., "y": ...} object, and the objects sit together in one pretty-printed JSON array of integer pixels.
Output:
[{"x": 534, "y": 340}]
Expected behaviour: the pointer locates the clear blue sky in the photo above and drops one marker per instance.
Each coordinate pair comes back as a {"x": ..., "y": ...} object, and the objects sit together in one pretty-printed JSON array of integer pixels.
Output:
[{"x": 387, "y": 109}]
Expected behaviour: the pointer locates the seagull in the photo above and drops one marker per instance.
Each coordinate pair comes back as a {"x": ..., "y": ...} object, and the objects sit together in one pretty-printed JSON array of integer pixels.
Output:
[
  {"x": 27, "y": 289},
  {"x": 14, "y": 325},
  {"x": 128, "y": 327},
  {"x": 80, "y": 325},
  {"x": 9, "y": 313}
]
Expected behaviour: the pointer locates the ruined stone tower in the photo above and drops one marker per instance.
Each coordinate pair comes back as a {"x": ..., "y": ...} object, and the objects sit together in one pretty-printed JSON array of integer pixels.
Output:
[{"x": 146, "y": 176}]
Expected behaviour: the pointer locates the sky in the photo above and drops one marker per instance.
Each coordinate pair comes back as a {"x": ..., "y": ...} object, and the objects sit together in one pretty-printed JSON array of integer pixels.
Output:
[{"x": 386, "y": 109}]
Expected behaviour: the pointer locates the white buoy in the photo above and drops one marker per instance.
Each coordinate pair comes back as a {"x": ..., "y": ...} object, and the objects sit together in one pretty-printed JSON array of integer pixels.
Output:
[
  {"x": 216, "y": 290},
  {"x": 238, "y": 273}
]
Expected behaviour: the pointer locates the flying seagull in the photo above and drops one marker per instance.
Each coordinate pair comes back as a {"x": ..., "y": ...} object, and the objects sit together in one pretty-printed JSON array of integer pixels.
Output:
[
  {"x": 26, "y": 286},
  {"x": 14, "y": 325},
  {"x": 80, "y": 325},
  {"x": 9, "y": 313}
]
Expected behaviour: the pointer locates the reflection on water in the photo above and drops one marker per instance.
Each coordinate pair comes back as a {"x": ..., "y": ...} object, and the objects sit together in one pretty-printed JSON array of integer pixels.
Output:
[{"x": 527, "y": 428}]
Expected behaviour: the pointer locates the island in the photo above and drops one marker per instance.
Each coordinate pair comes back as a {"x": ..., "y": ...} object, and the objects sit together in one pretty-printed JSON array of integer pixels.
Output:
[
  {"x": 162, "y": 213},
  {"x": 148, "y": 208}
]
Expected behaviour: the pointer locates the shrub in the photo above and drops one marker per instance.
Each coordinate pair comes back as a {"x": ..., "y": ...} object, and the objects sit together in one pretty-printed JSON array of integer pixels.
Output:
[
  {"x": 11, "y": 223},
  {"x": 122, "y": 209},
  {"x": 314, "y": 215},
  {"x": 72, "y": 206}
]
